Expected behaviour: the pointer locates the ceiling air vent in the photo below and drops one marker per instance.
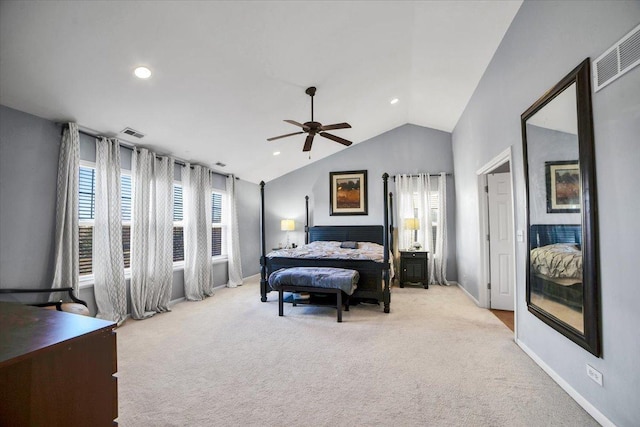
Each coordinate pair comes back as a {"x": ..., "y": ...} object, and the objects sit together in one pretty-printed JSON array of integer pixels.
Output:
[
  {"x": 132, "y": 132},
  {"x": 617, "y": 60},
  {"x": 220, "y": 164}
]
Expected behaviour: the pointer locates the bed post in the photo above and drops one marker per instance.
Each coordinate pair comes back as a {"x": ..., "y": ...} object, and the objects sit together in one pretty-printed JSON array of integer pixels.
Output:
[
  {"x": 306, "y": 224},
  {"x": 391, "y": 242},
  {"x": 386, "y": 294},
  {"x": 263, "y": 260}
]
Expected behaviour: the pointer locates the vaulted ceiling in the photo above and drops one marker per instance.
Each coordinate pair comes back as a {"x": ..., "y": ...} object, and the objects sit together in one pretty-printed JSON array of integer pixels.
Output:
[{"x": 226, "y": 74}]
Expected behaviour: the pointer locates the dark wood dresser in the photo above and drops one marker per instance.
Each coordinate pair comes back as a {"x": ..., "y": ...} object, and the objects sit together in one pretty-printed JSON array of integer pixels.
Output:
[{"x": 56, "y": 368}]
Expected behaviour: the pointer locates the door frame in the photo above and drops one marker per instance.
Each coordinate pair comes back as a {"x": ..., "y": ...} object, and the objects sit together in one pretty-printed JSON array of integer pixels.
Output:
[{"x": 483, "y": 221}]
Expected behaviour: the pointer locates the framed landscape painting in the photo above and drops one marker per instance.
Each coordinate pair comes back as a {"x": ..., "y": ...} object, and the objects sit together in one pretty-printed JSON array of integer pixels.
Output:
[
  {"x": 348, "y": 193},
  {"x": 563, "y": 186}
]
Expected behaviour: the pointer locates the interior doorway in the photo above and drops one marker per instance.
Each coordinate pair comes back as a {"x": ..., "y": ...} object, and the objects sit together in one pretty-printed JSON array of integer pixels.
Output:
[{"x": 497, "y": 248}]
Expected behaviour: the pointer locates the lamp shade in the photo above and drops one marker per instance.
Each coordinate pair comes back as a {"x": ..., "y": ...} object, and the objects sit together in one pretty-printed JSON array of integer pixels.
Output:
[
  {"x": 287, "y": 225},
  {"x": 412, "y": 224}
]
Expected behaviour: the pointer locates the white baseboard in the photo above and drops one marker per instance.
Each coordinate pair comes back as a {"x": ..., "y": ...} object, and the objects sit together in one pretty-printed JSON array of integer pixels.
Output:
[
  {"x": 586, "y": 405},
  {"x": 468, "y": 294}
]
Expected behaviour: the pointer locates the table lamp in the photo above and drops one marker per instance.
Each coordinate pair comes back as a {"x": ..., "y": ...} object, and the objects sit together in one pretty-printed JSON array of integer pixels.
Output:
[
  {"x": 413, "y": 224},
  {"x": 287, "y": 225}
]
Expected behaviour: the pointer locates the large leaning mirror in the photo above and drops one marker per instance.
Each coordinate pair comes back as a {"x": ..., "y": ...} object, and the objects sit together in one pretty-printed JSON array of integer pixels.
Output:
[{"x": 562, "y": 274}]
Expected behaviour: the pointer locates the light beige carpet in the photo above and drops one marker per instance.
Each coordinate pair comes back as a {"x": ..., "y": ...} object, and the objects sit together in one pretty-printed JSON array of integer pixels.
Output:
[{"x": 435, "y": 360}]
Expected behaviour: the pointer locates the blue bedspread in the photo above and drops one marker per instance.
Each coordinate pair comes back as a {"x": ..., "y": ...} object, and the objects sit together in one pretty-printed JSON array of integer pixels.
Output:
[{"x": 317, "y": 277}]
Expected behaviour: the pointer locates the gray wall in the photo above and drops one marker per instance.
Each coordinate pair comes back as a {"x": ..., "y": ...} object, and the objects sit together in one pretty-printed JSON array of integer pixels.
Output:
[
  {"x": 545, "y": 42},
  {"x": 406, "y": 149},
  {"x": 29, "y": 148},
  {"x": 248, "y": 208}
]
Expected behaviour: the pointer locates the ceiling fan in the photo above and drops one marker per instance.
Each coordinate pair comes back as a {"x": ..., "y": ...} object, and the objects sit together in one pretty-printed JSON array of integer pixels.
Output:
[{"x": 314, "y": 128}]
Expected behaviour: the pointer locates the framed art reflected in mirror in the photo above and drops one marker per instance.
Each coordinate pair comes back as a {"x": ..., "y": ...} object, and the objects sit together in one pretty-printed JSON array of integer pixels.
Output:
[
  {"x": 558, "y": 149},
  {"x": 563, "y": 186}
]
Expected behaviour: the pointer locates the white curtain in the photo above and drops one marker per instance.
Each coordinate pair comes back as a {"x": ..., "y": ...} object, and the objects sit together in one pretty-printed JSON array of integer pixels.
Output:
[
  {"x": 197, "y": 188},
  {"x": 151, "y": 234},
  {"x": 413, "y": 208},
  {"x": 66, "y": 266},
  {"x": 233, "y": 236},
  {"x": 438, "y": 262},
  {"x": 421, "y": 203},
  {"x": 108, "y": 264}
]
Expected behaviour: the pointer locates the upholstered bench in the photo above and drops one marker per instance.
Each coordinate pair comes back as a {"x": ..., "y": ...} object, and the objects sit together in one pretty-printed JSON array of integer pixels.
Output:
[{"x": 317, "y": 280}]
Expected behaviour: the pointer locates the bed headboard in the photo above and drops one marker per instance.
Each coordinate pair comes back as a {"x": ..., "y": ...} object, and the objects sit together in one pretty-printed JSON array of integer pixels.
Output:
[
  {"x": 547, "y": 234},
  {"x": 342, "y": 233}
]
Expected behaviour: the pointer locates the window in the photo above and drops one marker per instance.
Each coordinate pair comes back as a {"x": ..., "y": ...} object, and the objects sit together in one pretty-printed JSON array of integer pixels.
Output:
[
  {"x": 178, "y": 226},
  {"x": 125, "y": 207},
  {"x": 87, "y": 203},
  {"x": 433, "y": 206},
  {"x": 218, "y": 225},
  {"x": 86, "y": 212},
  {"x": 87, "y": 199}
]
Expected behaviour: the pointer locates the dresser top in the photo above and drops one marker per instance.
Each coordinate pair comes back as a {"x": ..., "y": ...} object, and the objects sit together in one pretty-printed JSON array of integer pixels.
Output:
[{"x": 25, "y": 329}]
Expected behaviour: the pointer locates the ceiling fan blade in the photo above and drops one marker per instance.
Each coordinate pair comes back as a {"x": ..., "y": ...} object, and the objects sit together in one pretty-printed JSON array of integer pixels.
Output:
[
  {"x": 336, "y": 139},
  {"x": 336, "y": 126},
  {"x": 308, "y": 142},
  {"x": 293, "y": 122},
  {"x": 284, "y": 136}
]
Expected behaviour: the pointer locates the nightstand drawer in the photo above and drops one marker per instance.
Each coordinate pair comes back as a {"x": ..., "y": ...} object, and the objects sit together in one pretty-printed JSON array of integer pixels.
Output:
[{"x": 419, "y": 255}]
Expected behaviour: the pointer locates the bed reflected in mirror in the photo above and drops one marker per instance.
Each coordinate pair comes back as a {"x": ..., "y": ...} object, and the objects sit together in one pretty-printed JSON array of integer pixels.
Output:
[
  {"x": 554, "y": 210},
  {"x": 558, "y": 153}
]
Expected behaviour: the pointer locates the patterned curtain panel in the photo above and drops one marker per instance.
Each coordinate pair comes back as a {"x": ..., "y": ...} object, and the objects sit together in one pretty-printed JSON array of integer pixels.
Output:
[
  {"x": 197, "y": 188},
  {"x": 233, "y": 237},
  {"x": 66, "y": 265},
  {"x": 108, "y": 262},
  {"x": 151, "y": 234}
]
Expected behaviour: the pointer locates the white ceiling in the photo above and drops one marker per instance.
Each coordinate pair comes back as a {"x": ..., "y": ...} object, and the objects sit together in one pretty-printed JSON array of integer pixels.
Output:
[{"x": 225, "y": 74}]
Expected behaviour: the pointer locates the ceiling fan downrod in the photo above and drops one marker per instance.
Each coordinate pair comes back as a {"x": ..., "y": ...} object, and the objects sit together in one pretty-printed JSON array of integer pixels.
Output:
[{"x": 311, "y": 91}]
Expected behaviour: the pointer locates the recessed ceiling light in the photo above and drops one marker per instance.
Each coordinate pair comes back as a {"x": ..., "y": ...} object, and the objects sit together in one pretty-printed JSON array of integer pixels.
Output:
[
  {"x": 142, "y": 72},
  {"x": 394, "y": 101},
  {"x": 276, "y": 153}
]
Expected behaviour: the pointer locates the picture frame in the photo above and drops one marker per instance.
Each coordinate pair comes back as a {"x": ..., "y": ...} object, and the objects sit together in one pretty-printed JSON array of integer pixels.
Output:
[
  {"x": 348, "y": 193},
  {"x": 563, "y": 186}
]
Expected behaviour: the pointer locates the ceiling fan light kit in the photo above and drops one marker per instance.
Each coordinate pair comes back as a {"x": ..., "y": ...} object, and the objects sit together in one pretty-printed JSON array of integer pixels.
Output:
[{"x": 313, "y": 128}]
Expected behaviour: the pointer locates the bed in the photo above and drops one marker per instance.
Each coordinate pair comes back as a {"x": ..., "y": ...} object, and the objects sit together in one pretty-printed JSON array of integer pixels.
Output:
[
  {"x": 375, "y": 274},
  {"x": 556, "y": 262}
]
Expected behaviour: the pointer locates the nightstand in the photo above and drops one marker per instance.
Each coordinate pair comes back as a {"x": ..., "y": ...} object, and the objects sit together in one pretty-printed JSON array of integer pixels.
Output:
[{"x": 414, "y": 268}]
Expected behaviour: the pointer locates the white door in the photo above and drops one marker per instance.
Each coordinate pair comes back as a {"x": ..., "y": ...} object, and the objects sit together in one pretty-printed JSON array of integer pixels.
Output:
[{"x": 500, "y": 241}]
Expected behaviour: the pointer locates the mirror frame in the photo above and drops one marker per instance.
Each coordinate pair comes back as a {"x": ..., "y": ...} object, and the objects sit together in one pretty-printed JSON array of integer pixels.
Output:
[{"x": 590, "y": 339}]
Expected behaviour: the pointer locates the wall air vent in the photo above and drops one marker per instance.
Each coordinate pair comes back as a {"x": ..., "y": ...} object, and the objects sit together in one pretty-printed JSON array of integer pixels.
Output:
[
  {"x": 220, "y": 164},
  {"x": 132, "y": 132},
  {"x": 617, "y": 60}
]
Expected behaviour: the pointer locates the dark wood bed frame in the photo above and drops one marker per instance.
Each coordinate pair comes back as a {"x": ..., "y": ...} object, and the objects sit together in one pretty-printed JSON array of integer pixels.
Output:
[
  {"x": 546, "y": 234},
  {"x": 375, "y": 278}
]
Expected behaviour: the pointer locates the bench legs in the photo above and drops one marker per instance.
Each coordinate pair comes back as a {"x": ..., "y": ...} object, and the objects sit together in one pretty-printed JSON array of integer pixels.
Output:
[{"x": 338, "y": 293}]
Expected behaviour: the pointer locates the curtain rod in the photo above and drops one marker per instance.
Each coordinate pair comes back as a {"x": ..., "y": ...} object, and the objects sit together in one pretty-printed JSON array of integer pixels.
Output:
[
  {"x": 430, "y": 174},
  {"x": 131, "y": 146}
]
